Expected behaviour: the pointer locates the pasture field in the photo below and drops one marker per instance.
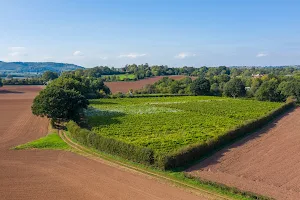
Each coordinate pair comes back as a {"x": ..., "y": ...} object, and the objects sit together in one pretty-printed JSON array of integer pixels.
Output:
[
  {"x": 121, "y": 77},
  {"x": 168, "y": 124}
]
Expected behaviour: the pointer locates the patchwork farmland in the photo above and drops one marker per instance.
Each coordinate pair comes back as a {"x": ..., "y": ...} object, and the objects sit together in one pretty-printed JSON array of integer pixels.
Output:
[{"x": 49, "y": 174}]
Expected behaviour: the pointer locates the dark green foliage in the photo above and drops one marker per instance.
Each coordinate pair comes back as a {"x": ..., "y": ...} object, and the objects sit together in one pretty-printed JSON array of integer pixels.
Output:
[
  {"x": 1, "y": 84},
  {"x": 194, "y": 152},
  {"x": 89, "y": 87},
  {"x": 59, "y": 104},
  {"x": 290, "y": 89},
  {"x": 110, "y": 145},
  {"x": 268, "y": 91},
  {"x": 234, "y": 88},
  {"x": 69, "y": 83},
  {"x": 48, "y": 75},
  {"x": 256, "y": 83},
  {"x": 167, "y": 86},
  {"x": 200, "y": 86},
  {"x": 27, "y": 81},
  {"x": 215, "y": 89}
]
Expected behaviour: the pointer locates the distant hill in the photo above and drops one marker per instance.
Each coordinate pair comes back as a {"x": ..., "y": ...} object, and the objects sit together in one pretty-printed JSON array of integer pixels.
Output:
[{"x": 36, "y": 67}]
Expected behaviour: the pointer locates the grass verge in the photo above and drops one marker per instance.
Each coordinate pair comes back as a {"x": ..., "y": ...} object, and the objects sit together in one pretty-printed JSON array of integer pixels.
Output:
[{"x": 51, "y": 141}]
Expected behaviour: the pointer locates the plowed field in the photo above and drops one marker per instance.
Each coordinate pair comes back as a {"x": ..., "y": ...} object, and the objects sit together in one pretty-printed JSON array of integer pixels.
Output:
[
  {"x": 125, "y": 86},
  {"x": 49, "y": 174}
]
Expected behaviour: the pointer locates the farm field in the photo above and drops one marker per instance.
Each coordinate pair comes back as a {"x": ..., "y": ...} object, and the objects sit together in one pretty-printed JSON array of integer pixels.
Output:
[
  {"x": 54, "y": 174},
  {"x": 168, "y": 124},
  {"x": 121, "y": 77},
  {"x": 125, "y": 86},
  {"x": 267, "y": 162}
]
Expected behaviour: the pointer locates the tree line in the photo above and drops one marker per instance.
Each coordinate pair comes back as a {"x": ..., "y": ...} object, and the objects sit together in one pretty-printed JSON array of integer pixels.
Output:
[
  {"x": 265, "y": 88},
  {"x": 145, "y": 70}
]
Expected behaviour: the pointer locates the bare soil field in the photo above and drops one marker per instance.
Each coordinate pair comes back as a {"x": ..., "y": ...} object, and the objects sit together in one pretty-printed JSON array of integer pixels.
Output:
[
  {"x": 49, "y": 174},
  {"x": 125, "y": 86},
  {"x": 266, "y": 162}
]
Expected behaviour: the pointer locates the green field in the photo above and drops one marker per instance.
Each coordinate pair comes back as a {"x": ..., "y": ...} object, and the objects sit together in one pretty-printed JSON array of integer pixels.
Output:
[
  {"x": 168, "y": 124},
  {"x": 121, "y": 77},
  {"x": 50, "y": 141}
]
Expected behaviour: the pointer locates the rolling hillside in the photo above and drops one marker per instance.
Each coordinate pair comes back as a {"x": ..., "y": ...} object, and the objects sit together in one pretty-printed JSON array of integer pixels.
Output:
[{"x": 36, "y": 67}]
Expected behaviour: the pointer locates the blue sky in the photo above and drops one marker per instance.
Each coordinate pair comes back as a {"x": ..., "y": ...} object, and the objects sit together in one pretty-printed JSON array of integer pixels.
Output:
[{"x": 169, "y": 32}]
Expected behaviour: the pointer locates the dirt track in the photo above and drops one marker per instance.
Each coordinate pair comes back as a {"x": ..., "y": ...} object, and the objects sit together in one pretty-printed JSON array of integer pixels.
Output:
[
  {"x": 47, "y": 174},
  {"x": 267, "y": 162}
]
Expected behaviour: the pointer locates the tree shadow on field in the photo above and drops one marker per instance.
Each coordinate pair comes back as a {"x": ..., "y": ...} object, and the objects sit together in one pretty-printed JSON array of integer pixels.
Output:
[
  {"x": 105, "y": 117},
  {"x": 10, "y": 92},
  {"x": 215, "y": 157}
]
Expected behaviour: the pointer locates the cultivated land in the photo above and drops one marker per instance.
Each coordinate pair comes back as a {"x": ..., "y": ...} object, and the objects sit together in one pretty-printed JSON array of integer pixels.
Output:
[
  {"x": 123, "y": 76},
  {"x": 266, "y": 162},
  {"x": 168, "y": 124},
  {"x": 125, "y": 86},
  {"x": 49, "y": 174}
]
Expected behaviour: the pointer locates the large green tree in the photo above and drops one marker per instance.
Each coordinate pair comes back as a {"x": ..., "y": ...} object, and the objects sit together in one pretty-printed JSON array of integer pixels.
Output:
[
  {"x": 268, "y": 91},
  {"x": 235, "y": 88},
  {"x": 200, "y": 86},
  {"x": 1, "y": 84},
  {"x": 290, "y": 89},
  {"x": 48, "y": 75},
  {"x": 59, "y": 104},
  {"x": 69, "y": 83}
]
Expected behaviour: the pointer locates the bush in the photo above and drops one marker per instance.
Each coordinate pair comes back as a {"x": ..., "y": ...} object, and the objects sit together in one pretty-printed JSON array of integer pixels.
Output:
[{"x": 109, "y": 145}]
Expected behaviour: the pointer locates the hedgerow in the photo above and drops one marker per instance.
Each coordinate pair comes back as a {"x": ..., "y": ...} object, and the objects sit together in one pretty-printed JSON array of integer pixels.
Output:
[{"x": 110, "y": 145}]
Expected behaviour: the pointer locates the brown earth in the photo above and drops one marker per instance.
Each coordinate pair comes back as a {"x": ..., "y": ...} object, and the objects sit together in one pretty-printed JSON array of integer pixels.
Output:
[
  {"x": 267, "y": 162},
  {"x": 125, "y": 86},
  {"x": 49, "y": 174}
]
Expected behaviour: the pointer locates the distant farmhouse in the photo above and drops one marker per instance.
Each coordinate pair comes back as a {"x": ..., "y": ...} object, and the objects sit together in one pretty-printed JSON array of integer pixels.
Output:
[{"x": 257, "y": 75}]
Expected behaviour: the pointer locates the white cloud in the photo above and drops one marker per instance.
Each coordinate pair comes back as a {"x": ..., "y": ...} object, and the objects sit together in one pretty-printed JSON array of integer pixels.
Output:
[
  {"x": 14, "y": 49},
  {"x": 261, "y": 55},
  {"x": 132, "y": 55},
  {"x": 17, "y": 54},
  {"x": 184, "y": 55},
  {"x": 78, "y": 53},
  {"x": 103, "y": 58},
  {"x": 17, "y": 51}
]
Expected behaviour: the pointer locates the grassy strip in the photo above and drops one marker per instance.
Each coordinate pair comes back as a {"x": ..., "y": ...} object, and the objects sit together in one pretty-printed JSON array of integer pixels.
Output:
[
  {"x": 51, "y": 141},
  {"x": 179, "y": 178}
]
